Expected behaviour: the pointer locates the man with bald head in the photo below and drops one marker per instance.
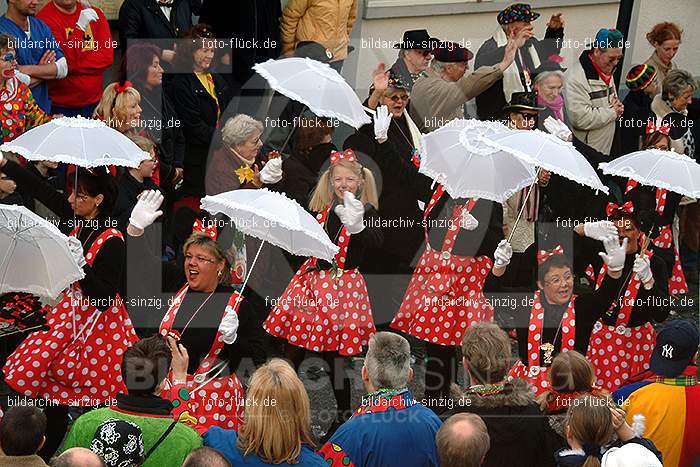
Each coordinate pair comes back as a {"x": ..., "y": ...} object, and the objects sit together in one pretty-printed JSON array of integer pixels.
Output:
[
  {"x": 78, "y": 457},
  {"x": 462, "y": 441}
]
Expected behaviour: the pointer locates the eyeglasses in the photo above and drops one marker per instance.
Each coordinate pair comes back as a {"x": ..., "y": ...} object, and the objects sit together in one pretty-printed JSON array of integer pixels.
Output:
[
  {"x": 397, "y": 98},
  {"x": 199, "y": 259},
  {"x": 9, "y": 57},
  {"x": 557, "y": 281}
]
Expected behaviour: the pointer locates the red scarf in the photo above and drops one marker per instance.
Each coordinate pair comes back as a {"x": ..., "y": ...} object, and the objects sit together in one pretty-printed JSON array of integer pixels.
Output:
[{"x": 606, "y": 78}]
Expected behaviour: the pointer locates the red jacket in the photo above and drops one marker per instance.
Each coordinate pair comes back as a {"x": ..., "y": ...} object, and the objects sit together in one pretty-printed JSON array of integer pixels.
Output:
[{"x": 88, "y": 55}]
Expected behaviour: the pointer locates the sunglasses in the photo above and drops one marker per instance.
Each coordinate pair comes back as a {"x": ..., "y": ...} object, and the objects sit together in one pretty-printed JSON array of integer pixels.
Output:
[{"x": 8, "y": 57}]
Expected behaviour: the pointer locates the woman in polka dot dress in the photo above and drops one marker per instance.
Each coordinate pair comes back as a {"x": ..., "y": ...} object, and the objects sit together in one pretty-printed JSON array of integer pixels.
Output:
[
  {"x": 560, "y": 321},
  {"x": 78, "y": 361},
  {"x": 325, "y": 308},
  {"x": 445, "y": 295},
  {"x": 216, "y": 325},
  {"x": 18, "y": 110},
  {"x": 624, "y": 337},
  {"x": 658, "y": 207}
]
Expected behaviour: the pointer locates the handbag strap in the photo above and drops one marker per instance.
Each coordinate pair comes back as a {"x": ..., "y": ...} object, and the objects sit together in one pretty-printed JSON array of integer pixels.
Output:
[{"x": 161, "y": 439}]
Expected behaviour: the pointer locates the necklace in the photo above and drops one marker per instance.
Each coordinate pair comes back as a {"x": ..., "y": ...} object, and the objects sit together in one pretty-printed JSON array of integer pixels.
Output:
[
  {"x": 195, "y": 313},
  {"x": 548, "y": 347},
  {"x": 485, "y": 389}
]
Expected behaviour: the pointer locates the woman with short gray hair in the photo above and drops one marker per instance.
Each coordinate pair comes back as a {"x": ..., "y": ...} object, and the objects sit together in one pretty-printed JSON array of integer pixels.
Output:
[
  {"x": 676, "y": 94},
  {"x": 239, "y": 163}
]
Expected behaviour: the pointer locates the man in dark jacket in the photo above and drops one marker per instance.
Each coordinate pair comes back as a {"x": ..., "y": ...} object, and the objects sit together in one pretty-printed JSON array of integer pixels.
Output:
[
  {"x": 518, "y": 433},
  {"x": 641, "y": 81},
  {"x": 415, "y": 53},
  {"x": 153, "y": 20},
  {"x": 515, "y": 22}
]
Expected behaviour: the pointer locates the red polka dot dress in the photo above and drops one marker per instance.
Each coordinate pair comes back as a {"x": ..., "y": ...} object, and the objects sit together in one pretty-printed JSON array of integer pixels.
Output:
[
  {"x": 324, "y": 310},
  {"x": 677, "y": 283},
  {"x": 78, "y": 361},
  {"x": 619, "y": 351},
  {"x": 214, "y": 400},
  {"x": 445, "y": 295},
  {"x": 536, "y": 370}
]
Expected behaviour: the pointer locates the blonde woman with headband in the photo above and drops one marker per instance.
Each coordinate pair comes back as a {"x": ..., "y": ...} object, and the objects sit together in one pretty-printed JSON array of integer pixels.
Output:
[
  {"x": 277, "y": 426},
  {"x": 325, "y": 307}
]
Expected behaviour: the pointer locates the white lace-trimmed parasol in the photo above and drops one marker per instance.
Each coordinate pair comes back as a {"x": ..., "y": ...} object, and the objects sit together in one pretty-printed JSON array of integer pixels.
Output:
[
  {"x": 456, "y": 157},
  {"x": 316, "y": 85},
  {"x": 549, "y": 153},
  {"x": 663, "y": 169},
  {"x": 79, "y": 141}
]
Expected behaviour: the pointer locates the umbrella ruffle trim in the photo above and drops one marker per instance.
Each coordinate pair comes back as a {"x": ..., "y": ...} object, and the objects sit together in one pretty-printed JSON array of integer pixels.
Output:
[
  {"x": 629, "y": 173},
  {"x": 68, "y": 159},
  {"x": 275, "y": 84},
  {"x": 78, "y": 122},
  {"x": 593, "y": 184},
  {"x": 438, "y": 177}
]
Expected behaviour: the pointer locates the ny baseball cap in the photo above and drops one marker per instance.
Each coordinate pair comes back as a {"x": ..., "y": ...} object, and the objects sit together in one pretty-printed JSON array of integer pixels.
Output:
[{"x": 676, "y": 343}]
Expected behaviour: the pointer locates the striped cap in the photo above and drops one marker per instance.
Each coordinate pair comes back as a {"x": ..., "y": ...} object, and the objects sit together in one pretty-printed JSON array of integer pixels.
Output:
[{"x": 640, "y": 76}]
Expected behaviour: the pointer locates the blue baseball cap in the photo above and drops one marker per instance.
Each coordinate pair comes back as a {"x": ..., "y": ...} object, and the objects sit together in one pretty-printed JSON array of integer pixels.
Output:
[{"x": 676, "y": 344}]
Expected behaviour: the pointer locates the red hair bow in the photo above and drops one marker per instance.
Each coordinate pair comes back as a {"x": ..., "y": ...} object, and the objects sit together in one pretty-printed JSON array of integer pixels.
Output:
[
  {"x": 651, "y": 128},
  {"x": 209, "y": 230},
  {"x": 347, "y": 155},
  {"x": 120, "y": 88},
  {"x": 543, "y": 255},
  {"x": 555, "y": 58},
  {"x": 628, "y": 207}
]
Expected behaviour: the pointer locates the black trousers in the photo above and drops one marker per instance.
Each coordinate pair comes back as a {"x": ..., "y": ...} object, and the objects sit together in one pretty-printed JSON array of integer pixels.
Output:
[{"x": 440, "y": 373}]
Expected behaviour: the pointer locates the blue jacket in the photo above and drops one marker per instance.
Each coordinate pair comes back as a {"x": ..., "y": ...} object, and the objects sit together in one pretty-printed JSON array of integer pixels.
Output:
[
  {"x": 29, "y": 51},
  {"x": 388, "y": 429},
  {"x": 224, "y": 441}
]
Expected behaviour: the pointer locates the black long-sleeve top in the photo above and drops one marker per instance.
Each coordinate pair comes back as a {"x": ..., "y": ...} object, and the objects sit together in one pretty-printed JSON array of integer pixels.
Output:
[
  {"x": 643, "y": 198},
  {"x": 302, "y": 170},
  {"x": 199, "y": 336},
  {"x": 481, "y": 241},
  {"x": 371, "y": 237},
  {"x": 103, "y": 279},
  {"x": 650, "y": 305},
  {"x": 399, "y": 183}
]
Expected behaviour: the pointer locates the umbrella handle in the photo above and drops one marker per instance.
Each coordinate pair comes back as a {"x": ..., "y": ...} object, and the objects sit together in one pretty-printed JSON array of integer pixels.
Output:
[
  {"x": 250, "y": 271},
  {"x": 520, "y": 214},
  {"x": 291, "y": 132}
]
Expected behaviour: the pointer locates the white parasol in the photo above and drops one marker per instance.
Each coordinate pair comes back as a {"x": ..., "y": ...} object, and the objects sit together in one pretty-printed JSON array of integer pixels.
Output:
[
  {"x": 456, "y": 156},
  {"x": 317, "y": 86},
  {"x": 34, "y": 254}
]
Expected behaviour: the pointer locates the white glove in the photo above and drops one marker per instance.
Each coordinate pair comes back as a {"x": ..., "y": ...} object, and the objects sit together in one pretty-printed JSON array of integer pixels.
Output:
[
  {"x": 146, "y": 210},
  {"x": 272, "y": 172},
  {"x": 558, "y": 129},
  {"x": 351, "y": 213},
  {"x": 642, "y": 267},
  {"x": 503, "y": 254},
  {"x": 468, "y": 222},
  {"x": 23, "y": 77},
  {"x": 599, "y": 230},
  {"x": 87, "y": 16},
  {"x": 229, "y": 326},
  {"x": 76, "y": 250},
  {"x": 382, "y": 120},
  {"x": 615, "y": 253}
]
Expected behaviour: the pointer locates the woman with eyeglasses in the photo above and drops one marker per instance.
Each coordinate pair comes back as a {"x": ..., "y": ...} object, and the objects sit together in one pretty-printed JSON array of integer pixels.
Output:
[
  {"x": 559, "y": 320},
  {"x": 77, "y": 362},
  {"x": 200, "y": 98},
  {"x": 624, "y": 336},
  {"x": 217, "y": 325},
  {"x": 18, "y": 110}
]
